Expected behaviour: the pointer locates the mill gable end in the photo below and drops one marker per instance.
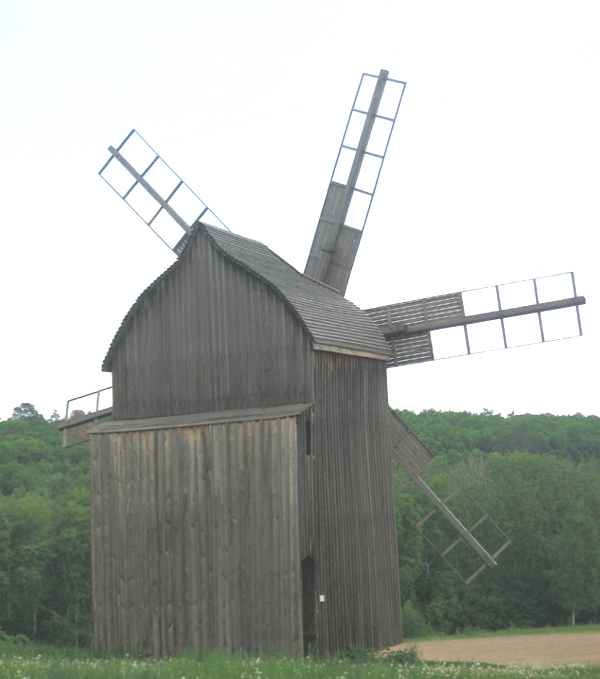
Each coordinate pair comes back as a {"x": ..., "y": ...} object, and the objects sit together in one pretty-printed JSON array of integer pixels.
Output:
[
  {"x": 229, "y": 325},
  {"x": 207, "y": 336}
]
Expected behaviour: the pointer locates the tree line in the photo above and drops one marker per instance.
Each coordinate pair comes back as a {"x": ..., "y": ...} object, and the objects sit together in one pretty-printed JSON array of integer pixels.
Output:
[
  {"x": 538, "y": 477},
  {"x": 45, "y": 569}
]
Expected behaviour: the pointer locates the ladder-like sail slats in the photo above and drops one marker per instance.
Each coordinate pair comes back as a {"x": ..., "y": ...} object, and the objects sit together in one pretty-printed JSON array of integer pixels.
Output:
[
  {"x": 455, "y": 321},
  {"x": 158, "y": 195},
  {"x": 445, "y": 502},
  {"x": 417, "y": 311},
  {"x": 414, "y": 457},
  {"x": 343, "y": 215},
  {"x": 409, "y": 450},
  {"x": 495, "y": 555},
  {"x": 413, "y": 349},
  {"x": 154, "y": 194},
  {"x": 457, "y": 525},
  {"x": 408, "y": 326}
]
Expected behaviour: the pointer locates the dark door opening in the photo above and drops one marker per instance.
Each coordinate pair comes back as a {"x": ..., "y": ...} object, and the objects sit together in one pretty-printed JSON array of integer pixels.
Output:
[{"x": 309, "y": 605}]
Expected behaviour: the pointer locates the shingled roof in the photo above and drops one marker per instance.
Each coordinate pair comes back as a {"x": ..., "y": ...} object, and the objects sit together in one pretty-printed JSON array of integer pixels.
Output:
[{"x": 331, "y": 320}]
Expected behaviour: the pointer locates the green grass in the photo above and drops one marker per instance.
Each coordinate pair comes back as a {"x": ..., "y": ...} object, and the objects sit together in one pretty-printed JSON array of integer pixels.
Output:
[
  {"x": 510, "y": 632},
  {"x": 48, "y": 662}
]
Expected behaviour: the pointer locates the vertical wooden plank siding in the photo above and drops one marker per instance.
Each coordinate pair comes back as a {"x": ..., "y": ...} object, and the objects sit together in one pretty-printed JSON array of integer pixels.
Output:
[
  {"x": 196, "y": 539},
  {"x": 348, "y": 520},
  {"x": 192, "y": 344}
]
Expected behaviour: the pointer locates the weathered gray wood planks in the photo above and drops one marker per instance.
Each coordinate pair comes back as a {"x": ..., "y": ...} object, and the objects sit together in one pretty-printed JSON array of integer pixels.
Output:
[
  {"x": 213, "y": 486},
  {"x": 348, "y": 512},
  {"x": 197, "y": 541}
]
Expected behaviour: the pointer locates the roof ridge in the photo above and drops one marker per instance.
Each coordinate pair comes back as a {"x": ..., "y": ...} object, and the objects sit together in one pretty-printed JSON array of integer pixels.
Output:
[
  {"x": 327, "y": 316},
  {"x": 252, "y": 240}
]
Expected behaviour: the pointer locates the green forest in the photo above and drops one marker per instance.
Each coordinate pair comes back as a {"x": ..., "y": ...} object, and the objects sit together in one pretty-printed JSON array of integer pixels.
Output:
[{"x": 538, "y": 477}]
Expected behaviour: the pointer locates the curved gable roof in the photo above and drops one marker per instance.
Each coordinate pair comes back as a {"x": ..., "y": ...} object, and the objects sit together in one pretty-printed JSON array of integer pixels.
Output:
[{"x": 332, "y": 321}]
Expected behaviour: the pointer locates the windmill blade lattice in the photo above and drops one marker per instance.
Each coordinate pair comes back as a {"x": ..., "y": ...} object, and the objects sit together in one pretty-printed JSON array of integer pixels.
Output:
[
  {"x": 354, "y": 179},
  {"x": 486, "y": 319},
  {"x": 467, "y": 540},
  {"x": 158, "y": 194}
]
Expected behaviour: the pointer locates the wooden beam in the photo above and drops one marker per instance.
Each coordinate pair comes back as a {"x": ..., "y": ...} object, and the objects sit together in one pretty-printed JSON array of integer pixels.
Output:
[
  {"x": 157, "y": 197},
  {"x": 462, "y": 531},
  {"x": 76, "y": 421}
]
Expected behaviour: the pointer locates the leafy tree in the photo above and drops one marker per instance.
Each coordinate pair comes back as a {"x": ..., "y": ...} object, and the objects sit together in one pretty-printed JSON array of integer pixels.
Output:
[
  {"x": 575, "y": 570},
  {"x": 45, "y": 570},
  {"x": 26, "y": 411},
  {"x": 25, "y": 561}
]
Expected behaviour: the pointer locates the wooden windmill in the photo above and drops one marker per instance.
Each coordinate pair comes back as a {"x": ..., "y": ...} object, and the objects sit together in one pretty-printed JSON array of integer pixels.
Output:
[{"x": 242, "y": 495}]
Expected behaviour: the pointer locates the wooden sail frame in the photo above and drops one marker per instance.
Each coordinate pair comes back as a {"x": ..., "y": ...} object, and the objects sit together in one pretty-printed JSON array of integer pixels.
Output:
[
  {"x": 336, "y": 242},
  {"x": 407, "y": 326},
  {"x": 414, "y": 458},
  {"x": 161, "y": 201}
]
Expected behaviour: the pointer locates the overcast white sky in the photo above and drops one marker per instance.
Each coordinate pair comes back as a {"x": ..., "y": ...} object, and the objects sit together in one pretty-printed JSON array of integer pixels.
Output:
[{"x": 492, "y": 174}]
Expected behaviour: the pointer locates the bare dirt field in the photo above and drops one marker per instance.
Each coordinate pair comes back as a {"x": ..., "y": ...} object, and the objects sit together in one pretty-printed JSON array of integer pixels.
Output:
[{"x": 531, "y": 649}]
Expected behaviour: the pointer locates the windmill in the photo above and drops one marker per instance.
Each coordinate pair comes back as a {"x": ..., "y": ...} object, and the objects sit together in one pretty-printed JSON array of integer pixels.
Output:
[{"x": 242, "y": 495}]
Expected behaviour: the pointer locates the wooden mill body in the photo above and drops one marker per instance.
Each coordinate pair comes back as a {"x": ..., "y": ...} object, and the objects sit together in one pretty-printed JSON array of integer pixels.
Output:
[{"x": 242, "y": 495}]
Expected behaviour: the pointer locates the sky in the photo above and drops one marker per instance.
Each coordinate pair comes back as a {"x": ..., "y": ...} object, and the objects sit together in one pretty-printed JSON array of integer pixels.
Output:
[{"x": 491, "y": 175}]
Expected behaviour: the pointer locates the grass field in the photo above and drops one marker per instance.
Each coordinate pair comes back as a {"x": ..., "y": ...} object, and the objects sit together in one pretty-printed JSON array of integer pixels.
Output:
[{"x": 51, "y": 662}]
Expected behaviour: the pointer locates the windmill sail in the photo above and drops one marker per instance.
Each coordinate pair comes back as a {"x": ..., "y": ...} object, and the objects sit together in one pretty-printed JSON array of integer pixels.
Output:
[
  {"x": 354, "y": 180},
  {"x": 498, "y": 317},
  {"x": 157, "y": 195},
  {"x": 411, "y": 454}
]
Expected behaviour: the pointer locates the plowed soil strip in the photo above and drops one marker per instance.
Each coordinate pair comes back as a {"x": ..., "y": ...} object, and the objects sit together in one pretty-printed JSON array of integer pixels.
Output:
[{"x": 530, "y": 649}]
